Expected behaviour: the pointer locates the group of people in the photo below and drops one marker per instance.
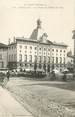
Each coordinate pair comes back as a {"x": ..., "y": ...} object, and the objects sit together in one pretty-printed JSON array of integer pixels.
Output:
[{"x": 53, "y": 76}]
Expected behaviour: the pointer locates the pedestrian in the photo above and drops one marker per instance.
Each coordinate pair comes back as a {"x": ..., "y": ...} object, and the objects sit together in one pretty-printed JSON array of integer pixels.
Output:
[
  {"x": 6, "y": 79},
  {"x": 8, "y": 75},
  {"x": 64, "y": 77}
]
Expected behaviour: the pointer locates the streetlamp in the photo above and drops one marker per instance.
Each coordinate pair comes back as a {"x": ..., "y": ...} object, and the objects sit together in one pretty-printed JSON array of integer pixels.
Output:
[{"x": 74, "y": 52}]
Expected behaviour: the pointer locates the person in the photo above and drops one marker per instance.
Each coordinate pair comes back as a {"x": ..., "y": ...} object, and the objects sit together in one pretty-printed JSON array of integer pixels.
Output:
[
  {"x": 64, "y": 77},
  {"x": 6, "y": 79},
  {"x": 8, "y": 75}
]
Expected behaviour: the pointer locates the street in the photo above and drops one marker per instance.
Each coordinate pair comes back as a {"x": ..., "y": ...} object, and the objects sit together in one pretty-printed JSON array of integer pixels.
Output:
[
  {"x": 9, "y": 107},
  {"x": 44, "y": 98}
]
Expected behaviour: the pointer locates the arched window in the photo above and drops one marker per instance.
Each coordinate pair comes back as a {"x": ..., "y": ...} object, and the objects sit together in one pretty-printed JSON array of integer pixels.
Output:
[{"x": 20, "y": 57}]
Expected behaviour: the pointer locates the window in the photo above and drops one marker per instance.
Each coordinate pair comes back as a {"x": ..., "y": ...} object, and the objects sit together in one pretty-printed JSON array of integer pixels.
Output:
[
  {"x": 31, "y": 47},
  {"x": 44, "y": 58},
  {"x": 20, "y": 57},
  {"x": 15, "y": 47},
  {"x": 35, "y": 48},
  {"x": 35, "y": 57},
  {"x": 25, "y": 58},
  {"x": 21, "y": 66},
  {"x": 25, "y": 51},
  {"x": 44, "y": 49},
  {"x": 30, "y": 58},
  {"x": 39, "y": 52},
  {"x": 52, "y": 54},
  {"x": 9, "y": 57},
  {"x": 25, "y": 47},
  {"x": 60, "y": 50},
  {"x": 56, "y": 59},
  {"x": 64, "y": 60},
  {"x": 14, "y": 57},
  {"x": 64, "y": 51},
  {"x": 0, "y": 56},
  {"x": 56, "y": 54},
  {"x": 40, "y": 66},
  {"x": 30, "y": 65},
  {"x": 39, "y": 48},
  {"x": 30, "y": 51},
  {"x": 52, "y": 59},
  {"x": 39, "y": 58},
  {"x": 48, "y": 59},
  {"x": 44, "y": 53},
  {"x": 60, "y": 60},
  {"x": 56, "y": 50},
  {"x": 35, "y": 52},
  {"x": 52, "y": 49},
  {"x": 20, "y": 46},
  {"x": 25, "y": 64}
]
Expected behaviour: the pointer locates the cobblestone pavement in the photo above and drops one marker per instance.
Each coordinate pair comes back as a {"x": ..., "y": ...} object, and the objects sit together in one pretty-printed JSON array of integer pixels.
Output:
[
  {"x": 42, "y": 98},
  {"x": 9, "y": 107}
]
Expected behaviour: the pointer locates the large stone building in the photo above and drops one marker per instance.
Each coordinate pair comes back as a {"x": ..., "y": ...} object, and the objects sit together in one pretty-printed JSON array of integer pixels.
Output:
[
  {"x": 37, "y": 51},
  {"x": 3, "y": 55}
]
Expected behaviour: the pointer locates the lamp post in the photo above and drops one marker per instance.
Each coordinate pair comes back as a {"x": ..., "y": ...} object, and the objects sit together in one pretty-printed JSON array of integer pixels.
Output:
[{"x": 74, "y": 53}]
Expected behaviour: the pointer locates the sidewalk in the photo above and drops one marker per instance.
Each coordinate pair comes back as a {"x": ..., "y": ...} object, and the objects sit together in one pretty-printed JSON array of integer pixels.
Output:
[{"x": 9, "y": 107}]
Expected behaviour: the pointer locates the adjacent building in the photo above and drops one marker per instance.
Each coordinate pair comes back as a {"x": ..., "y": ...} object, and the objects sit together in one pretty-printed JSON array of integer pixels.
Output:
[
  {"x": 70, "y": 61},
  {"x": 3, "y": 55}
]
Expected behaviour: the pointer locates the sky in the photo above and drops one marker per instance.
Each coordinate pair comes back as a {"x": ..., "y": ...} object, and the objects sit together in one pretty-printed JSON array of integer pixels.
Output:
[{"x": 18, "y": 18}]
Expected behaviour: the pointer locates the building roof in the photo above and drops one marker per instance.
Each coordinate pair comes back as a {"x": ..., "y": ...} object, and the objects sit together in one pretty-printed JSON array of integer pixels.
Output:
[
  {"x": 34, "y": 34},
  {"x": 3, "y": 45},
  {"x": 71, "y": 56},
  {"x": 38, "y": 36},
  {"x": 41, "y": 41},
  {"x": 34, "y": 41},
  {"x": 59, "y": 44}
]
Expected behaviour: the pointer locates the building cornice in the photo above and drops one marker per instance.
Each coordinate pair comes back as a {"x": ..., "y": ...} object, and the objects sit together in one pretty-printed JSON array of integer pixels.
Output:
[
  {"x": 33, "y": 41},
  {"x": 48, "y": 42},
  {"x": 60, "y": 44}
]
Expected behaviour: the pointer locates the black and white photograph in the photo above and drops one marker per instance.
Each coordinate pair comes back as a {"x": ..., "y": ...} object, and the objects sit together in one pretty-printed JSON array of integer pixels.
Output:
[{"x": 37, "y": 58}]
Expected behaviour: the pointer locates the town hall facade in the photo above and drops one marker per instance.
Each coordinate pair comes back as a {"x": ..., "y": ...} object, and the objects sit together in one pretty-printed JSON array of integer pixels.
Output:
[{"x": 37, "y": 50}]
